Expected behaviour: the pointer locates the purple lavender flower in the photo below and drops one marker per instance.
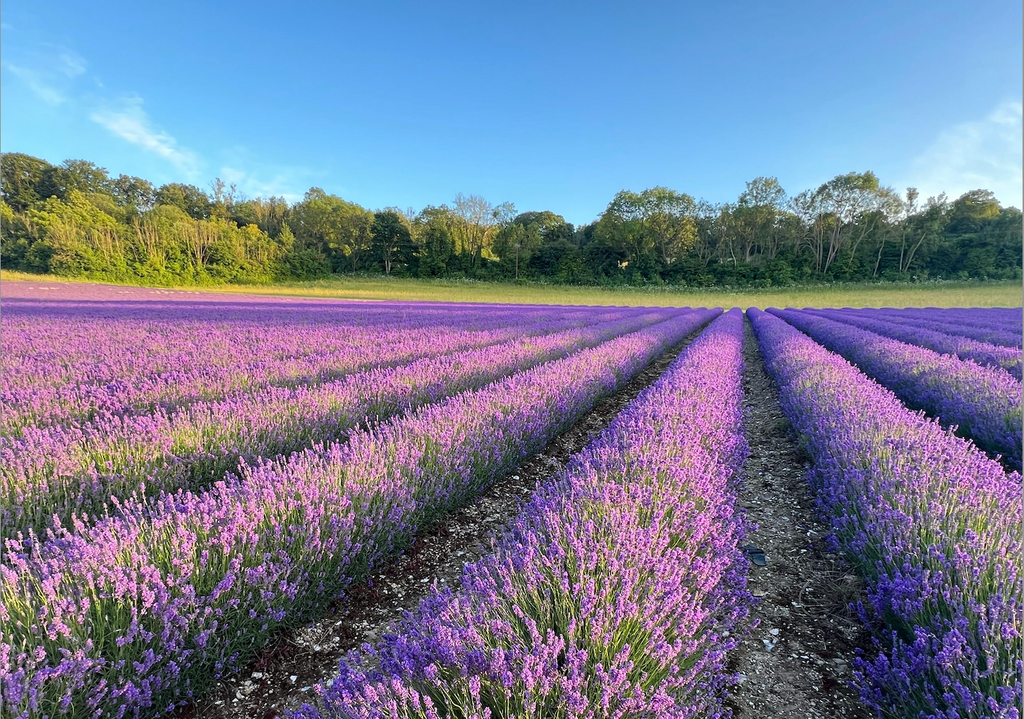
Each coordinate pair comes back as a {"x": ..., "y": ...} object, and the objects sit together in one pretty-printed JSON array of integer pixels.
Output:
[
  {"x": 989, "y": 355},
  {"x": 53, "y": 472},
  {"x": 614, "y": 593},
  {"x": 982, "y": 403},
  {"x": 932, "y": 524},
  {"x": 203, "y": 579}
]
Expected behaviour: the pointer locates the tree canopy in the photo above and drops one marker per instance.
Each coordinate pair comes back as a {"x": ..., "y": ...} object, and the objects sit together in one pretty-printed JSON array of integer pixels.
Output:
[{"x": 76, "y": 219}]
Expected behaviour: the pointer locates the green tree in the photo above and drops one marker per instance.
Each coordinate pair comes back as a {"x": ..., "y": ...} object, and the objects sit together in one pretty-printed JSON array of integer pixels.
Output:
[
  {"x": 546, "y": 244},
  {"x": 669, "y": 217},
  {"x": 623, "y": 226},
  {"x": 70, "y": 175},
  {"x": 268, "y": 213},
  {"x": 515, "y": 243},
  {"x": 75, "y": 238},
  {"x": 340, "y": 229},
  {"x": 478, "y": 219},
  {"x": 300, "y": 262},
  {"x": 392, "y": 241},
  {"x": 756, "y": 215},
  {"x": 652, "y": 228},
  {"x": 835, "y": 214},
  {"x": 433, "y": 239},
  {"x": 133, "y": 193},
  {"x": 20, "y": 178},
  {"x": 188, "y": 198}
]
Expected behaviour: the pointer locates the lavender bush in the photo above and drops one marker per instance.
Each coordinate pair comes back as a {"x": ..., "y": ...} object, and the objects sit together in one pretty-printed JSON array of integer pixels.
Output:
[
  {"x": 63, "y": 370},
  {"x": 1002, "y": 318},
  {"x": 988, "y": 355},
  {"x": 967, "y": 326},
  {"x": 52, "y": 472},
  {"x": 613, "y": 594},
  {"x": 983, "y": 403},
  {"x": 932, "y": 524},
  {"x": 137, "y": 613}
]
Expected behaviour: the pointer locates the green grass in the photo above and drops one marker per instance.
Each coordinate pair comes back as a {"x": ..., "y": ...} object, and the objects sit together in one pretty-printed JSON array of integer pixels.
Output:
[{"x": 930, "y": 294}]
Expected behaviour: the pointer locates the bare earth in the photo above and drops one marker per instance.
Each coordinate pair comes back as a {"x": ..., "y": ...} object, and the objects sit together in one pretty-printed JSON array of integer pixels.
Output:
[{"x": 797, "y": 662}]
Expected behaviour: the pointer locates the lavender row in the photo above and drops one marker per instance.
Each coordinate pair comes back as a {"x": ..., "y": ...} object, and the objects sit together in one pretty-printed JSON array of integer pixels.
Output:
[
  {"x": 989, "y": 355},
  {"x": 48, "y": 351},
  {"x": 982, "y": 403},
  {"x": 931, "y": 523},
  {"x": 617, "y": 590},
  {"x": 138, "y": 613},
  {"x": 344, "y": 351},
  {"x": 81, "y": 382},
  {"x": 43, "y": 350},
  {"x": 967, "y": 321},
  {"x": 1002, "y": 318},
  {"x": 49, "y": 474},
  {"x": 1001, "y": 337},
  {"x": 123, "y": 346}
]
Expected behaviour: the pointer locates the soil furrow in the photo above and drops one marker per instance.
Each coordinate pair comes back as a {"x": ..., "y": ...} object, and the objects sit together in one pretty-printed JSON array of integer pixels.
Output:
[
  {"x": 797, "y": 663},
  {"x": 283, "y": 677}
]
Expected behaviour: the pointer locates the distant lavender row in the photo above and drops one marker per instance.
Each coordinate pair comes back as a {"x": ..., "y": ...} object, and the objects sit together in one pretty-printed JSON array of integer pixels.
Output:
[
  {"x": 984, "y": 403},
  {"x": 344, "y": 350},
  {"x": 55, "y": 351},
  {"x": 138, "y": 613},
  {"x": 48, "y": 350},
  {"x": 964, "y": 328},
  {"x": 1002, "y": 318},
  {"x": 932, "y": 524},
  {"x": 56, "y": 471},
  {"x": 989, "y": 355},
  {"x": 615, "y": 593},
  {"x": 981, "y": 320}
]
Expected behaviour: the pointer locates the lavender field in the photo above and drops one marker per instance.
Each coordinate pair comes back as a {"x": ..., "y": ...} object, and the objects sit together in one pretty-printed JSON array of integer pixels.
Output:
[{"x": 192, "y": 481}]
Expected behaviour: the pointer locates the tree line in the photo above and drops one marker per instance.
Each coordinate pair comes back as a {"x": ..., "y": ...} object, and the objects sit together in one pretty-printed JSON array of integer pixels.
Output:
[{"x": 75, "y": 219}]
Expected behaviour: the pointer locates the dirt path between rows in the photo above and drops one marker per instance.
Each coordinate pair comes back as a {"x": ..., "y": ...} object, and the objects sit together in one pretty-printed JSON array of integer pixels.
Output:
[
  {"x": 797, "y": 663},
  {"x": 283, "y": 677}
]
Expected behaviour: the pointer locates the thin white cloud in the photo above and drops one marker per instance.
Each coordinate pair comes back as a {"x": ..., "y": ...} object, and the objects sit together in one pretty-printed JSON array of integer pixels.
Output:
[
  {"x": 48, "y": 71},
  {"x": 980, "y": 154},
  {"x": 130, "y": 122},
  {"x": 71, "y": 63},
  {"x": 59, "y": 76},
  {"x": 38, "y": 83}
]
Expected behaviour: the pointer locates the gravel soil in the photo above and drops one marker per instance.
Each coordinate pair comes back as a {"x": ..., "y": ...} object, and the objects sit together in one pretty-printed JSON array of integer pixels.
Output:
[
  {"x": 795, "y": 663},
  {"x": 283, "y": 676}
]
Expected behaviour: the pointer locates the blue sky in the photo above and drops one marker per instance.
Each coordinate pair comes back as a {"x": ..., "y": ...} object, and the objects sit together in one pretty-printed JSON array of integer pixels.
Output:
[{"x": 549, "y": 105}]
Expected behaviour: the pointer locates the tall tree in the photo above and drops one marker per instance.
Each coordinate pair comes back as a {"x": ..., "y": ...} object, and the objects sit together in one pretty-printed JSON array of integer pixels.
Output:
[
  {"x": 622, "y": 225},
  {"x": 656, "y": 224},
  {"x": 133, "y": 193},
  {"x": 20, "y": 178},
  {"x": 756, "y": 215},
  {"x": 392, "y": 241},
  {"x": 223, "y": 198},
  {"x": 832, "y": 213},
  {"x": 432, "y": 235},
  {"x": 897, "y": 227},
  {"x": 267, "y": 213},
  {"x": 478, "y": 218},
  {"x": 341, "y": 229},
  {"x": 188, "y": 198},
  {"x": 516, "y": 242},
  {"x": 706, "y": 245},
  {"x": 80, "y": 175},
  {"x": 669, "y": 216}
]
